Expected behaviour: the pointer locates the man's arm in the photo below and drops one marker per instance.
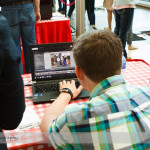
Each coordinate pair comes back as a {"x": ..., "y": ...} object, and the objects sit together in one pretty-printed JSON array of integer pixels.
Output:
[
  {"x": 37, "y": 10},
  {"x": 58, "y": 106}
]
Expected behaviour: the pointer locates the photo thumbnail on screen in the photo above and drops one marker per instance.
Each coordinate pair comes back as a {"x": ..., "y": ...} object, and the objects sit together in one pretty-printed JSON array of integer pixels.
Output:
[{"x": 60, "y": 59}]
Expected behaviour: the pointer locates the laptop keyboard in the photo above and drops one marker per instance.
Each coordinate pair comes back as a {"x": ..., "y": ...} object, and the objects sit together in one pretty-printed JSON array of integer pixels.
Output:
[
  {"x": 46, "y": 87},
  {"x": 40, "y": 88}
]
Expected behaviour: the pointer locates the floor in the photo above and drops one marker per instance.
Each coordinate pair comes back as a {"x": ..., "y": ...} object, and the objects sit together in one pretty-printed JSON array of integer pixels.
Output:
[{"x": 141, "y": 22}]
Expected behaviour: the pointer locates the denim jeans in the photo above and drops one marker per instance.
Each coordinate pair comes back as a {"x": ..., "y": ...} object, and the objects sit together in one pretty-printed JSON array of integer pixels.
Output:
[
  {"x": 21, "y": 20},
  {"x": 124, "y": 18}
]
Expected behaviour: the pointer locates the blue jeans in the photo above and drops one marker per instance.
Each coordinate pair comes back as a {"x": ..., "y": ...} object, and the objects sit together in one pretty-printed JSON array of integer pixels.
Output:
[
  {"x": 21, "y": 20},
  {"x": 124, "y": 18}
]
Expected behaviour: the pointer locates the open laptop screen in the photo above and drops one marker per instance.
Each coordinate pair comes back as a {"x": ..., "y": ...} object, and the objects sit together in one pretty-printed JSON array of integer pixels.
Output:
[{"x": 52, "y": 61}]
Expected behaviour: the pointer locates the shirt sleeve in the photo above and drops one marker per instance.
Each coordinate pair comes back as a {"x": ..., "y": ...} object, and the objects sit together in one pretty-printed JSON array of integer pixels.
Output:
[
  {"x": 12, "y": 103},
  {"x": 59, "y": 133},
  {"x": 63, "y": 131}
]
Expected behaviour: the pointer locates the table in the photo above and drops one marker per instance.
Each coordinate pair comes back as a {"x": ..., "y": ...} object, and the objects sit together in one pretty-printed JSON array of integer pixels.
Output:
[
  {"x": 137, "y": 73},
  {"x": 55, "y": 30}
]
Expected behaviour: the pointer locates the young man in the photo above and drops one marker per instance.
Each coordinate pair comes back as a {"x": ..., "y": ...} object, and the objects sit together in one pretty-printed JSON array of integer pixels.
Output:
[{"x": 116, "y": 115}]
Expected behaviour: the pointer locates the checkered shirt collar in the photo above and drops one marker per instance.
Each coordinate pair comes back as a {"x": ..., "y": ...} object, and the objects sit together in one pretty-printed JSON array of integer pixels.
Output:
[{"x": 105, "y": 84}]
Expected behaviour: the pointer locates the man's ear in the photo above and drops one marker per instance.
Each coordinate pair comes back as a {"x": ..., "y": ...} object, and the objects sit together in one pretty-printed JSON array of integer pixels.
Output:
[{"x": 79, "y": 73}]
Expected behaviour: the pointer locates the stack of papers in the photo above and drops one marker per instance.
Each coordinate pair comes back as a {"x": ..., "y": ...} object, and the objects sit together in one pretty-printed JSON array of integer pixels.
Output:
[{"x": 30, "y": 119}]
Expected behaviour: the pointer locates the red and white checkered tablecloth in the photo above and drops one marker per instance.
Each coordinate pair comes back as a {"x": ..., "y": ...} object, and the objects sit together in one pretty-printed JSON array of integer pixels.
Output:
[{"x": 137, "y": 73}]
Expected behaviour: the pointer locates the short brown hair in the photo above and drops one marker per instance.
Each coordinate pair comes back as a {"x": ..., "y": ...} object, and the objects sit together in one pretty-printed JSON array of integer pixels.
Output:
[{"x": 98, "y": 54}]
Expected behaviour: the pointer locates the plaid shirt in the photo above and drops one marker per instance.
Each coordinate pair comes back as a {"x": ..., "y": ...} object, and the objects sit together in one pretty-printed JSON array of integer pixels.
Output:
[{"x": 116, "y": 117}]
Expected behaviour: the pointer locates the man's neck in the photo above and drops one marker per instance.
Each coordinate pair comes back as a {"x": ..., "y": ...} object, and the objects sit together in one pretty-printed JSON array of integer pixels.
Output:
[{"x": 88, "y": 84}]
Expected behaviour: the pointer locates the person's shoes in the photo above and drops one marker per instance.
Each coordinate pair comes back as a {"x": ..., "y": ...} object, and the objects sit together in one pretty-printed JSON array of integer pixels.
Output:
[
  {"x": 94, "y": 27},
  {"x": 62, "y": 12},
  {"x": 107, "y": 28},
  {"x": 131, "y": 47}
]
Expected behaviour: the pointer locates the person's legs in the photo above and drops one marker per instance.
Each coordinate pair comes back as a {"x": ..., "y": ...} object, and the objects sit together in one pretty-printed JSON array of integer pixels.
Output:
[
  {"x": 129, "y": 36},
  {"x": 12, "y": 15},
  {"x": 126, "y": 18},
  {"x": 71, "y": 9},
  {"x": 15, "y": 30},
  {"x": 129, "y": 39},
  {"x": 59, "y": 4},
  {"x": 87, "y": 7},
  {"x": 61, "y": 7},
  {"x": 125, "y": 23},
  {"x": 27, "y": 32},
  {"x": 92, "y": 13},
  {"x": 117, "y": 20},
  {"x": 109, "y": 17}
]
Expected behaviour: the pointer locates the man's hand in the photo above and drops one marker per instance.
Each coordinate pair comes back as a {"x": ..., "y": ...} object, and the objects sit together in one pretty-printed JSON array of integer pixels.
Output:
[
  {"x": 71, "y": 85},
  {"x": 37, "y": 16},
  {"x": 58, "y": 106},
  {"x": 37, "y": 10}
]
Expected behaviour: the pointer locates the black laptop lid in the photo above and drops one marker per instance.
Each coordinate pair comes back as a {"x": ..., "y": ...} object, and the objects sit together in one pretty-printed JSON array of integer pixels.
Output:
[{"x": 52, "y": 61}]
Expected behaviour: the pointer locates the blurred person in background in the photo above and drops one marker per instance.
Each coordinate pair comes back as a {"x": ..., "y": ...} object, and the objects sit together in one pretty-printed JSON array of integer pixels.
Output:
[
  {"x": 108, "y": 5},
  {"x": 90, "y": 6},
  {"x": 124, "y": 12},
  {"x": 21, "y": 16}
]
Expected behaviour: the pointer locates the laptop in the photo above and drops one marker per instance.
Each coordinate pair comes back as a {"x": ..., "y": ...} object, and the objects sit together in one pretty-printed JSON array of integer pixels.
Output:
[{"x": 50, "y": 64}]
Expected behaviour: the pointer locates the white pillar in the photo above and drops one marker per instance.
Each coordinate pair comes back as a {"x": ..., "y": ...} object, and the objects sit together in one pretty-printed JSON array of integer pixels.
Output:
[{"x": 80, "y": 17}]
